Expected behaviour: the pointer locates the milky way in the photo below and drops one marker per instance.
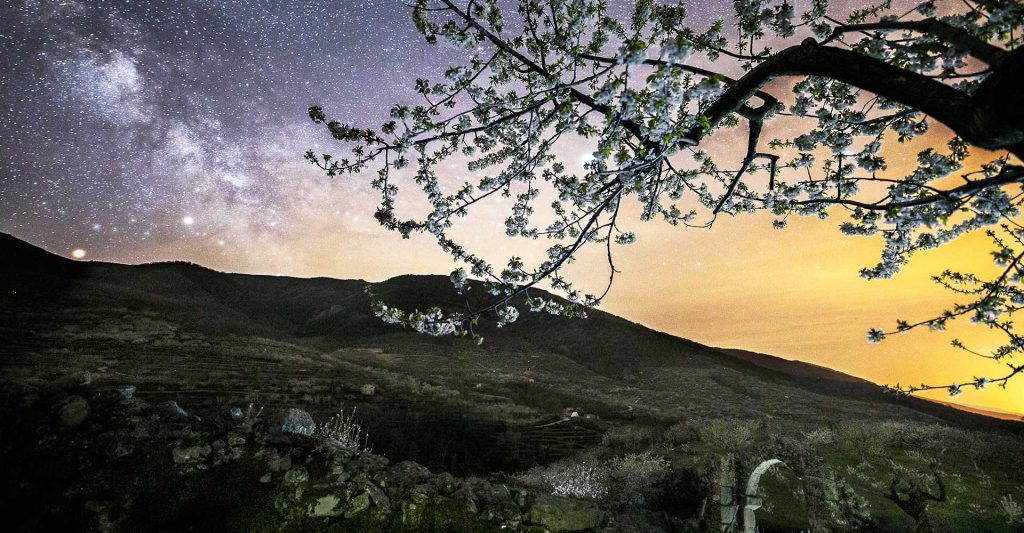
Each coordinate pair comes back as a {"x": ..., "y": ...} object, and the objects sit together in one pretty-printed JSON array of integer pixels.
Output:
[
  {"x": 131, "y": 124},
  {"x": 136, "y": 126}
]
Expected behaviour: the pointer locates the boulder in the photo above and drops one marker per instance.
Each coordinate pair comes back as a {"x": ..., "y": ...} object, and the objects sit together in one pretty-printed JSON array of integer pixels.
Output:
[
  {"x": 403, "y": 476},
  {"x": 74, "y": 411},
  {"x": 298, "y": 422},
  {"x": 296, "y": 476},
  {"x": 413, "y": 508},
  {"x": 379, "y": 497},
  {"x": 187, "y": 454},
  {"x": 446, "y": 483},
  {"x": 277, "y": 462},
  {"x": 358, "y": 504},
  {"x": 329, "y": 505}
]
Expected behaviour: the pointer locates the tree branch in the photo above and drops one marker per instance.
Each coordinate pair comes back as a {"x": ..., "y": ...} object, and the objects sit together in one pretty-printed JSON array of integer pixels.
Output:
[
  {"x": 957, "y": 37},
  {"x": 978, "y": 121},
  {"x": 745, "y": 110},
  {"x": 630, "y": 126}
]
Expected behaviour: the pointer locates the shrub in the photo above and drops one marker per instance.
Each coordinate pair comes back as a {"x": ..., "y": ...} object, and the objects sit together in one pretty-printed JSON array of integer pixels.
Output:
[
  {"x": 821, "y": 436},
  {"x": 634, "y": 473},
  {"x": 1011, "y": 509},
  {"x": 637, "y": 472},
  {"x": 679, "y": 433},
  {"x": 342, "y": 433},
  {"x": 631, "y": 438},
  {"x": 727, "y": 434},
  {"x": 581, "y": 479}
]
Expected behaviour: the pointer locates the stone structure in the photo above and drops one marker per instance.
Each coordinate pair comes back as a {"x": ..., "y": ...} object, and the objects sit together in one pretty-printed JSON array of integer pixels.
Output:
[{"x": 730, "y": 502}]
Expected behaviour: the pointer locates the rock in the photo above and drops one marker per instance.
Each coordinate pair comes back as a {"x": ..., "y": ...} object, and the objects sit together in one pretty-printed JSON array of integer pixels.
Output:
[
  {"x": 328, "y": 505},
  {"x": 413, "y": 508},
  {"x": 564, "y": 514},
  {"x": 298, "y": 422},
  {"x": 74, "y": 411},
  {"x": 296, "y": 476},
  {"x": 358, "y": 504},
  {"x": 487, "y": 494},
  {"x": 278, "y": 463},
  {"x": 462, "y": 499},
  {"x": 189, "y": 454},
  {"x": 127, "y": 391},
  {"x": 446, "y": 483},
  {"x": 522, "y": 498},
  {"x": 379, "y": 497},
  {"x": 404, "y": 476},
  {"x": 367, "y": 462},
  {"x": 425, "y": 488}
]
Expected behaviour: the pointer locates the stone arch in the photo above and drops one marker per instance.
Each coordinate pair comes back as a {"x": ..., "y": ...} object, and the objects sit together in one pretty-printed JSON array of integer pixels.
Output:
[{"x": 751, "y": 501}]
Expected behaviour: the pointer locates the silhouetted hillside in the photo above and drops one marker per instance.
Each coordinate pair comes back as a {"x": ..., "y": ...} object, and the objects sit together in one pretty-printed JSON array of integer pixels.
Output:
[{"x": 44, "y": 293}]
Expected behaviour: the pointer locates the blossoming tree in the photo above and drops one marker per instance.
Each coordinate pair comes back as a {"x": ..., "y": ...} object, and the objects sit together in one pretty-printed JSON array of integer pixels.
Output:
[{"x": 651, "y": 95}]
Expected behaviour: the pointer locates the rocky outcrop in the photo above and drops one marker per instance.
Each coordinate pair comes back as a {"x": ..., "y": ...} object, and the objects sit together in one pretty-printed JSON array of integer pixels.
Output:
[{"x": 132, "y": 466}]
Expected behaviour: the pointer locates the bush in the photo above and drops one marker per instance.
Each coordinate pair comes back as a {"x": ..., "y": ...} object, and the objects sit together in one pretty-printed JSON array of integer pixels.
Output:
[
  {"x": 637, "y": 472},
  {"x": 679, "y": 433},
  {"x": 628, "y": 438},
  {"x": 728, "y": 433},
  {"x": 579, "y": 479},
  {"x": 821, "y": 436},
  {"x": 342, "y": 433}
]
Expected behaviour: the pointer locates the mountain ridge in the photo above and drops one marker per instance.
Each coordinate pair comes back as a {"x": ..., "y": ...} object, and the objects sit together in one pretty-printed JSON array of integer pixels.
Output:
[{"x": 322, "y": 312}]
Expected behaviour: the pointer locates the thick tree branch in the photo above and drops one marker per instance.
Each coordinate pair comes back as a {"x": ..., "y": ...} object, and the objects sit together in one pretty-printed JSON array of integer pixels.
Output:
[
  {"x": 981, "y": 120},
  {"x": 957, "y": 37}
]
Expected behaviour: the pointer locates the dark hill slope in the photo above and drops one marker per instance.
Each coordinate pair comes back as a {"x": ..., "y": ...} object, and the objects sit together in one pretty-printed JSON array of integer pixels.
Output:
[{"x": 219, "y": 338}]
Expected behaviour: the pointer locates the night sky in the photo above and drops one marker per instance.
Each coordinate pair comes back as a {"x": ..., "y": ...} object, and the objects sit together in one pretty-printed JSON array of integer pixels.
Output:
[
  {"x": 135, "y": 125},
  {"x": 148, "y": 131}
]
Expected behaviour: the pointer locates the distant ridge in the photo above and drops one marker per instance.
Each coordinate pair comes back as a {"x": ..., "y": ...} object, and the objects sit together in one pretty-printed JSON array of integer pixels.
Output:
[
  {"x": 993, "y": 413},
  {"x": 792, "y": 367}
]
